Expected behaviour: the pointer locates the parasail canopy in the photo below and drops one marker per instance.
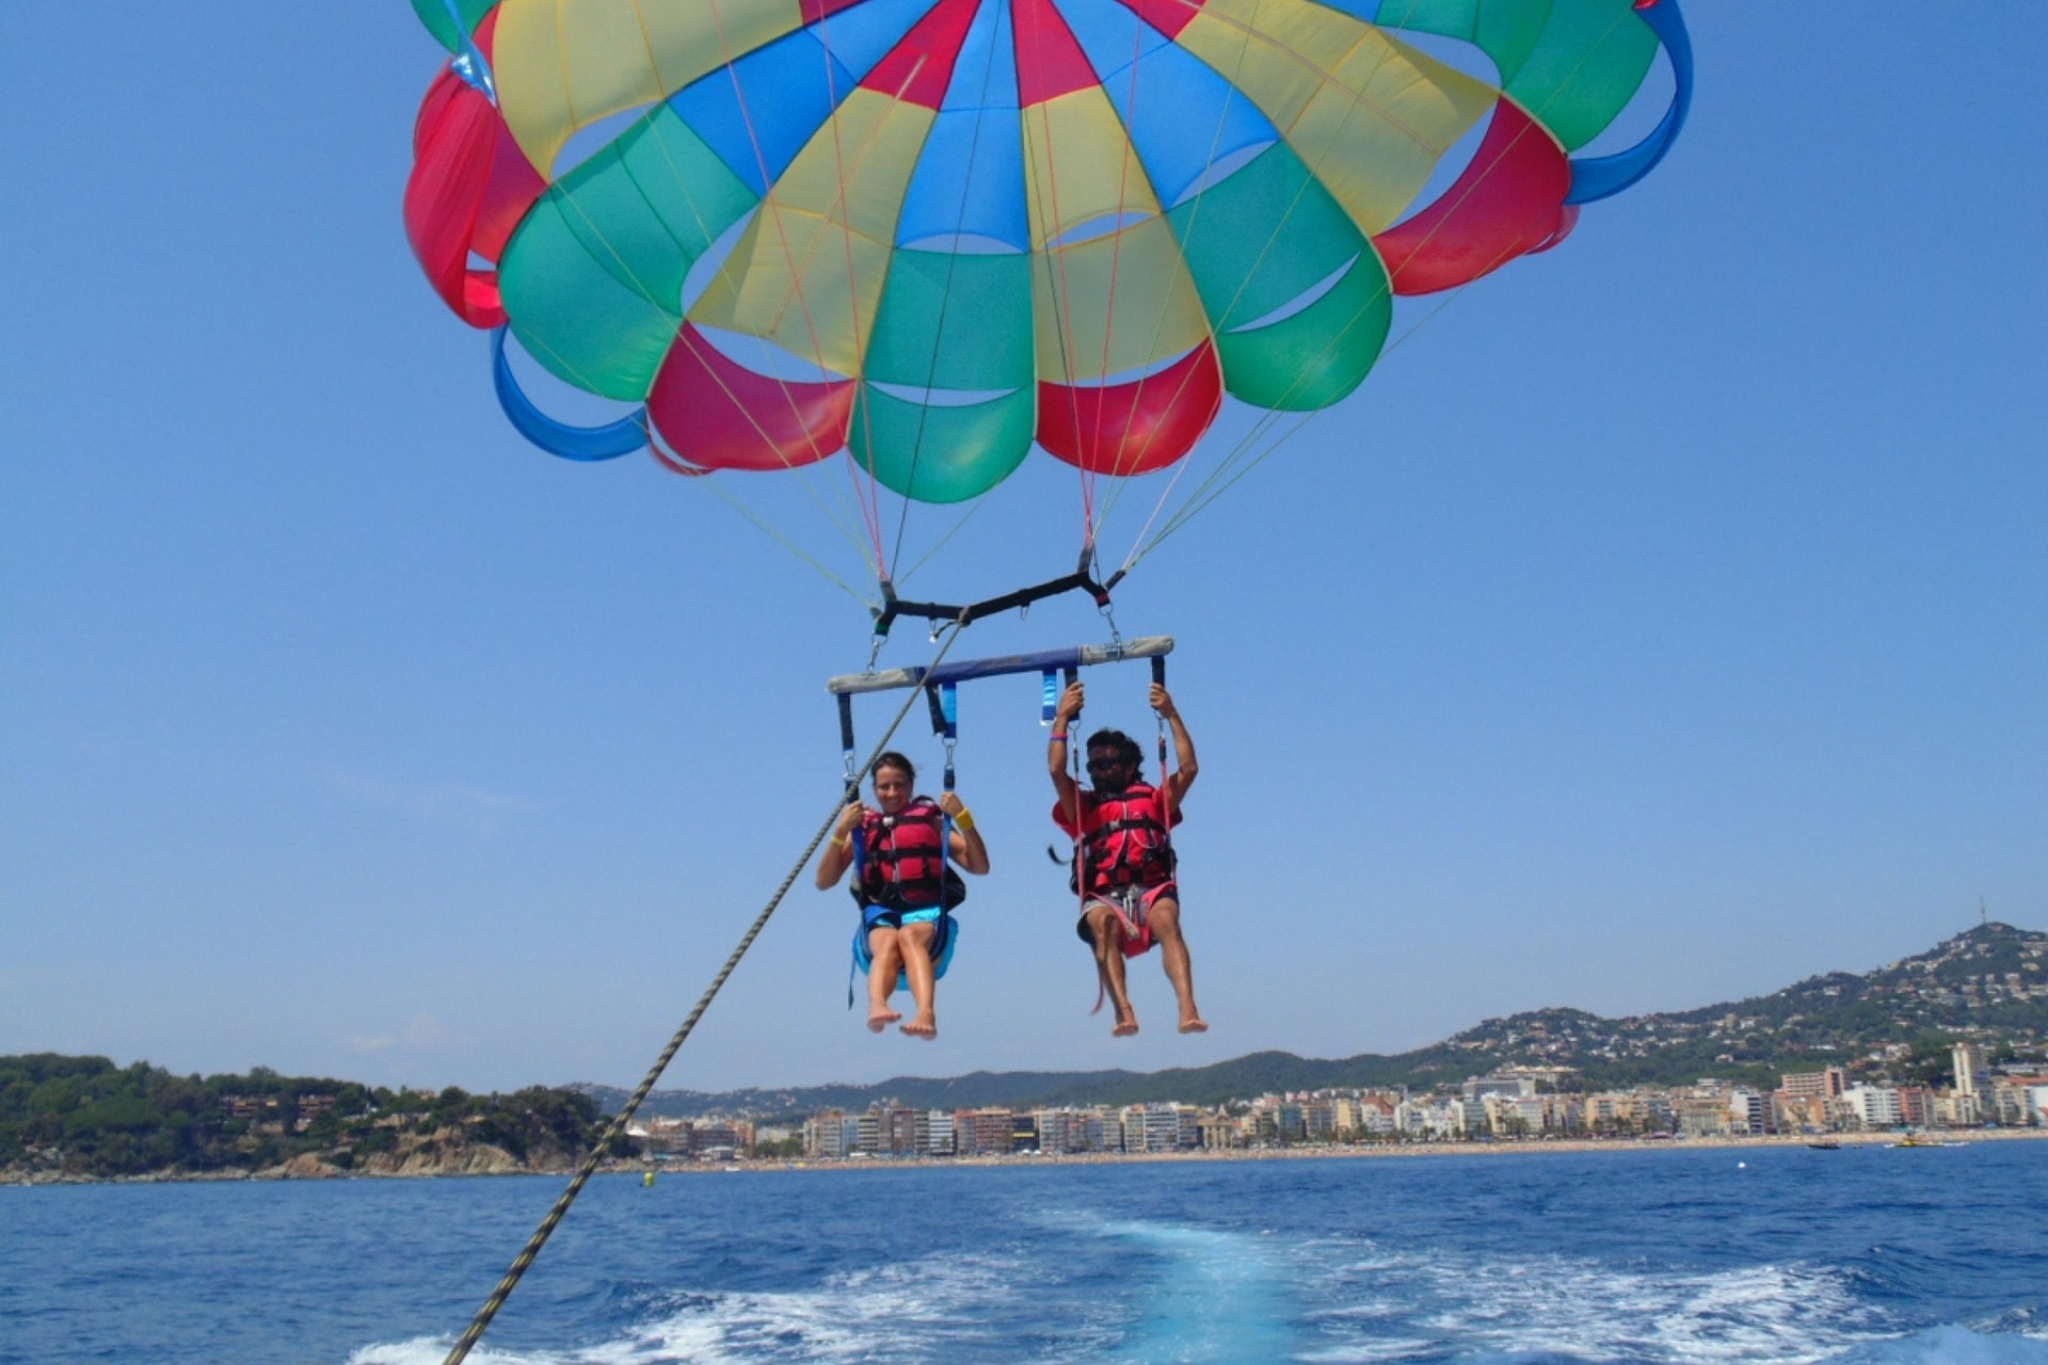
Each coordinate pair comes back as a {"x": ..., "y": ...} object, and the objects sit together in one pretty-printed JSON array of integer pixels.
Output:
[{"x": 933, "y": 234}]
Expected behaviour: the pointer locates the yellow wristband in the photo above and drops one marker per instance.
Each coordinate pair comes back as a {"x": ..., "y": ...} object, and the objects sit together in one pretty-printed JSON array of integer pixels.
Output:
[
  {"x": 964, "y": 821},
  {"x": 841, "y": 841}
]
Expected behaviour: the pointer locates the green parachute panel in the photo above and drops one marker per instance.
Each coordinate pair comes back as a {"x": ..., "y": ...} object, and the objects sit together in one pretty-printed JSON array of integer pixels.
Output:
[
  {"x": 593, "y": 278},
  {"x": 948, "y": 327},
  {"x": 935, "y": 453},
  {"x": 1573, "y": 64},
  {"x": 953, "y": 322},
  {"x": 1505, "y": 30},
  {"x": 1585, "y": 69},
  {"x": 1262, "y": 239},
  {"x": 440, "y": 22}
]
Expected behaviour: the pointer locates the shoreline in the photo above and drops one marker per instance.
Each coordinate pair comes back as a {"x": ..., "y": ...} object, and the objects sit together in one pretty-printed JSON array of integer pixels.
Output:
[{"x": 1368, "y": 1151}]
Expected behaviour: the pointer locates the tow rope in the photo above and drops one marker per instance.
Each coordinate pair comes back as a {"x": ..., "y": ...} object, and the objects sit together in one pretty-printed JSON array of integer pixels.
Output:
[{"x": 482, "y": 1321}]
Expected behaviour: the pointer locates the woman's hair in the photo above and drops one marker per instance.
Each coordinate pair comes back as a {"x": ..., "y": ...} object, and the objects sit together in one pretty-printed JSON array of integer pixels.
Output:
[{"x": 892, "y": 759}]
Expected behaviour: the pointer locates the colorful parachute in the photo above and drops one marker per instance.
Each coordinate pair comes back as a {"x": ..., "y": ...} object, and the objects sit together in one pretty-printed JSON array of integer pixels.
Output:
[{"x": 935, "y": 232}]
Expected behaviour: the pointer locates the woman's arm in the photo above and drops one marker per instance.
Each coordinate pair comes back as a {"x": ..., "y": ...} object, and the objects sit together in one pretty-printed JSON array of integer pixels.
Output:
[
  {"x": 967, "y": 848},
  {"x": 838, "y": 854}
]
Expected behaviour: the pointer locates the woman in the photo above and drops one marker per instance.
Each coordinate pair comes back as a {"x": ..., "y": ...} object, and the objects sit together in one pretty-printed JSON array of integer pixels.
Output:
[{"x": 903, "y": 886}]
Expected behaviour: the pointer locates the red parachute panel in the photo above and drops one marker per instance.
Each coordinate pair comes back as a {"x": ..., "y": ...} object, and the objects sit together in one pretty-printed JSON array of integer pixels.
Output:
[
  {"x": 717, "y": 414},
  {"x": 1509, "y": 202},
  {"x": 1137, "y": 427},
  {"x": 470, "y": 186}
]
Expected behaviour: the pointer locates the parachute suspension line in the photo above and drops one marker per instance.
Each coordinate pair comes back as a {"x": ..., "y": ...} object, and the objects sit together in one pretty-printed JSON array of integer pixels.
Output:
[
  {"x": 1247, "y": 31},
  {"x": 666, "y": 456},
  {"x": 1159, "y": 319},
  {"x": 1056, "y": 272},
  {"x": 939, "y": 544},
  {"x": 1215, "y": 484},
  {"x": 1268, "y": 417},
  {"x": 870, "y": 496},
  {"x": 836, "y": 518},
  {"x": 1235, "y": 466},
  {"x": 931, "y": 371},
  {"x": 1265, "y": 420},
  {"x": 780, "y": 537},
  {"x": 520, "y": 1264},
  {"x": 796, "y": 289},
  {"x": 1200, "y": 500},
  {"x": 1076, "y": 768}
]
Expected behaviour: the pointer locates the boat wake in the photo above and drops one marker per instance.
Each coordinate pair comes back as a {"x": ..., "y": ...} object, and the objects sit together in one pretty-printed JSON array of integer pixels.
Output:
[{"x": 1154, "y": 1293}]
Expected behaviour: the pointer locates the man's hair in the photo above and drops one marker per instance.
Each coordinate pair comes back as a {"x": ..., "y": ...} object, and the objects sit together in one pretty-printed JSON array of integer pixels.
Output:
[
  {"x": 892, "y": 759},
  {"x": 1122, "y": 745}
]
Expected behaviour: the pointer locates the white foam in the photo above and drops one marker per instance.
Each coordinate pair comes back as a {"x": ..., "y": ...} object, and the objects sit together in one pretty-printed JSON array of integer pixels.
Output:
[
  {"x": 920, "y": 1309},
  {"x": 1952, "y": 1346},
  {"x": 1381, "y": 1306},
  {"x": 1232, "y": 1298}
]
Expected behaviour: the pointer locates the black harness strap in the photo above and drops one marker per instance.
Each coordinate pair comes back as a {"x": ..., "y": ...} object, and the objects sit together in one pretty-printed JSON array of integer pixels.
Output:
[{"x": 1081, "y": 580}]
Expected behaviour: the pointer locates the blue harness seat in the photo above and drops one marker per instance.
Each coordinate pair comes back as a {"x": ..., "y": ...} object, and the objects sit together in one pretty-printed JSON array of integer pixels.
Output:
[{"x": 945, "y": 933}]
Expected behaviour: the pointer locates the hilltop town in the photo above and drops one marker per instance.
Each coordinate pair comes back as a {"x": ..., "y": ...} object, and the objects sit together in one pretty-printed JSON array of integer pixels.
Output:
[
  {"x": 1517, "y": 1102},
  {"x": 1951, "y": 1039},
  {"x": 1948, "y": 1039}
]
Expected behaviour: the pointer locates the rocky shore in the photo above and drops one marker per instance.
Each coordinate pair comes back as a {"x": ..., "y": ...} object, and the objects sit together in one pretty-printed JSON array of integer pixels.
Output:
[
  {"x": 429, "y": 1159},
  {"x": 413, "y": 1158}
]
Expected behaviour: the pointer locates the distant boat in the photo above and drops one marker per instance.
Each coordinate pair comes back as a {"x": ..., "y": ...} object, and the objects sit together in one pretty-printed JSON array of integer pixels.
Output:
[
  {"x": 1921, "y": 1140},
  {"x": 1826, "y": 1145}
]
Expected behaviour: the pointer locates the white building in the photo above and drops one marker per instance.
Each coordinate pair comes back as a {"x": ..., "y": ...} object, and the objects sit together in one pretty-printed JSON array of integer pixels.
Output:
[
  {"x": 1151, "y": 1128},
  {"x": 1874, "y": 1106}
]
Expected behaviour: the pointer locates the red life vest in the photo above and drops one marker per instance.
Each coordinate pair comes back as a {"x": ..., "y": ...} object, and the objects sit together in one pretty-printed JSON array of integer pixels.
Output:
[
  {"x": 1123, "y": 838},
  {"x": 903, "y": 859}
]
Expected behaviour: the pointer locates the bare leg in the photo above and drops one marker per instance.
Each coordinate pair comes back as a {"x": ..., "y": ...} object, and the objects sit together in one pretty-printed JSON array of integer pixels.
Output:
[
  {"x": 1164, "y": 917},
  {"x": 915, "y": 940},
  {"x": 1108, "y": 931},
  {"x": 885, "y": 959}
]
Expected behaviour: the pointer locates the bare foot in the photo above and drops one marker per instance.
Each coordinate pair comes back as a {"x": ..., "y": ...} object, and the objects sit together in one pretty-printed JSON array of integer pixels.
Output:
[
  {"x": 880, "y": 1017},
  {"x": 925, "y": 1026},
  {"x": 1194, "y": 1023},
  {"x": 1124, "y": 1028}
]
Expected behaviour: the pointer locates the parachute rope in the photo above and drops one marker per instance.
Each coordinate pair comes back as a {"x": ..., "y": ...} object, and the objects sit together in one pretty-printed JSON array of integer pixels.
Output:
[
  {"x": 1056, "y": 280},
  {"x": 1271, "y": 416},
  {"x": 567, "y": 192},
  {"x": 616, "y": 1129},
  {"x": 1204, "y": 495},
  {"x": 931, "y": 372},
  {"x": 871, "y": 498},
  {"x": 1194, "y": 218},
  {"x": 1225, "y": 475},
  {"x": 941, "y": 542},
  {"x": 796, "y": 289},
  {"x": 782, "y": 538}
]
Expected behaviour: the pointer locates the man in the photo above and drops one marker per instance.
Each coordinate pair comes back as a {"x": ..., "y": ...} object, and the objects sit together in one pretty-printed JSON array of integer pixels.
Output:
[{"x": 1123, "y": 853}]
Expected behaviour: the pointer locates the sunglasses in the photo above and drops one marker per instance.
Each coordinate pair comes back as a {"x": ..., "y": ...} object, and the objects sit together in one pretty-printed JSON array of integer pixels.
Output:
[{"x": 1103, "y": 765}]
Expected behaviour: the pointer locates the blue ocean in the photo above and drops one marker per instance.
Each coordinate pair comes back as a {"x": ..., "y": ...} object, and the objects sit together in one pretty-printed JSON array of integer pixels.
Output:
[{"x": 1777, "y": 1254}]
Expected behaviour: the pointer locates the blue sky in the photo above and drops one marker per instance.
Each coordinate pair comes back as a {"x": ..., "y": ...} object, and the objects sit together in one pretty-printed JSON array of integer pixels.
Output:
[{"x": 1662, "y": 622}]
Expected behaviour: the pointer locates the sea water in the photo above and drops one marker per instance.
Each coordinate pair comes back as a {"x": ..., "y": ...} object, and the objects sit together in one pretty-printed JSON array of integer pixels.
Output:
[{"x": 1868, "y": 1255}]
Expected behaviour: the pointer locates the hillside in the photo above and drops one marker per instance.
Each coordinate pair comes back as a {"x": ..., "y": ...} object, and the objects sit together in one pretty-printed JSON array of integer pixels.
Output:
[
  {"x": 84, "y": 1117},
  {"x": 1989, "y": 984}
]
